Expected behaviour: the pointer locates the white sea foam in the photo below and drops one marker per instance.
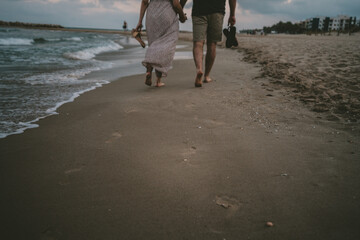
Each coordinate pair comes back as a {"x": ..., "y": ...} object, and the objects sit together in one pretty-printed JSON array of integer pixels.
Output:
[
  {"x": 78, "y": 39},
  {"x": 52, "y": 111},
  {"x": 66, "y": 76},
  {"x": 22, "y": 126},
  {"x": 183, "y": 55},
  {"x": 53, "y": 39},
  {"x": 16, "y": 41},
  {"x": 90, "y": 53}
]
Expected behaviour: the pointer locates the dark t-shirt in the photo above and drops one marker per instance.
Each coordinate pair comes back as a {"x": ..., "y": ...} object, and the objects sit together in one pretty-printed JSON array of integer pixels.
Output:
[{"x": 205, "y": 7}]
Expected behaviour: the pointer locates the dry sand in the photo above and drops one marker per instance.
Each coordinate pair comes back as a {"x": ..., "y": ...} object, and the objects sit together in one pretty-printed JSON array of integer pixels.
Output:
[
  {"x": 126, "y": 161},
  {"x": 322, "y": 71}
]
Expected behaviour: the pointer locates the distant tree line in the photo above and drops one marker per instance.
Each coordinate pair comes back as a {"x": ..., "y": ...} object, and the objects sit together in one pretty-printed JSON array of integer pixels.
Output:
[
  {"x": 28, "y": 25},
  {"x": 285, "y": 27}
]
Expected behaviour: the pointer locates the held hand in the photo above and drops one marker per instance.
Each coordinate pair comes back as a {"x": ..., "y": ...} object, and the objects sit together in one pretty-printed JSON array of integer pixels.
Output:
[
  {"x": 183, "y": 18},
  {"x": 232, "y": 21},
  {"x": 139, "y": 27}
]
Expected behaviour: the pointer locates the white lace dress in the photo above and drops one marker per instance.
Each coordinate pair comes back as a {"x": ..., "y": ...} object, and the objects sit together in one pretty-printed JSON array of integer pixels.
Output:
[{"x": 162, "y": 29}]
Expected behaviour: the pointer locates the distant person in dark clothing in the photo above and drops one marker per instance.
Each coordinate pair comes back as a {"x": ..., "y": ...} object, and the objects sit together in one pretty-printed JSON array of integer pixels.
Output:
[
  {"x": 207, "y": 19},
  {"x": 125, "y": 26}
]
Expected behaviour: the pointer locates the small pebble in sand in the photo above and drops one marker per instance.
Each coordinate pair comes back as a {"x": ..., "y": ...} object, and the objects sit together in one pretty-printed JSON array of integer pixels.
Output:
[{"x": 269, "y": 224}]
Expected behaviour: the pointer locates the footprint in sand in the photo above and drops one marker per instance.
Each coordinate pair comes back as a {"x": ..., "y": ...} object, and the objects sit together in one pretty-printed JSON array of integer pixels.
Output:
[
  {"x": 188, "y": 153},
  {"x": 190, "y": 107},
  {"x": 73, "y": 170},
  {"x": 231, "y": 204},
  {"x": 213, "y": 123},
  {"x": 51, "y": 234},
  {"x": 130, "y": 111},
  {"x": 114, "y": 136}
]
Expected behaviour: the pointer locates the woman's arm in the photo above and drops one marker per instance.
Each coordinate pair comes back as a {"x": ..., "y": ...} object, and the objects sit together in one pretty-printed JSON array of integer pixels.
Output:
[
  {"x": 143, "y": 7},
  {"x": 179, "y": 10}
]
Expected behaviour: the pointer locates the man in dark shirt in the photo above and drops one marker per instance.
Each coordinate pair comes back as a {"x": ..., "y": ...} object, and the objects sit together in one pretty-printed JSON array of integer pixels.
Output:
[{"x": 207, "y": 18}]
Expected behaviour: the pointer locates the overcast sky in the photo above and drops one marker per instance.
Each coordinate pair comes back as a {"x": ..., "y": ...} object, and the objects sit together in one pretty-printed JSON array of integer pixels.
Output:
[{"x": 111, "y": 13}]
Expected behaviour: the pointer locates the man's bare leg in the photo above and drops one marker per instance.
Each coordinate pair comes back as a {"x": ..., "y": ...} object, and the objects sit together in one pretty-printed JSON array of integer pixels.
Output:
[
  {"x": 209, "y": 60},
  {"x": 198, "y": 49}
]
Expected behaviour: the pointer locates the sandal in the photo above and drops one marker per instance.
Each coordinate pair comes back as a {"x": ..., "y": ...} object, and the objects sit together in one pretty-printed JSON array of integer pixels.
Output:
[
  {"x": 230, "y": 34},
  {"x": 137, "y": 36}
]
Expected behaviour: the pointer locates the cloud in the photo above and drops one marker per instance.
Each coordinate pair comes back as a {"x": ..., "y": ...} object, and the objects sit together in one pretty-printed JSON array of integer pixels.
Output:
[
  {"x": 43, "y": 1},
  {"x": 95, "y": 10},
  {"x": 128, "y": 6},
  {"x": 111, "y": 13},
  {"x": 301, "y": 9}
]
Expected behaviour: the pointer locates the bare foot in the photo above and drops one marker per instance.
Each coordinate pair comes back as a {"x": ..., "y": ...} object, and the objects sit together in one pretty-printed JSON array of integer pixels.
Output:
[
  {"x": 198, "y": 79},
  {"x": 159, "y": 84},
  {"x": 207, "y": 79},
  {"x": 148, "y": 79}
]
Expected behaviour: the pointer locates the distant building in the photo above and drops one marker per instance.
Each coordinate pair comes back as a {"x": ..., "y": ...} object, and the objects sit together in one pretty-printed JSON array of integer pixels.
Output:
[
  {"x": 339, "y": 23},
  {"x": 342, "y": 22},
  {"x": 316, "y": 24}
]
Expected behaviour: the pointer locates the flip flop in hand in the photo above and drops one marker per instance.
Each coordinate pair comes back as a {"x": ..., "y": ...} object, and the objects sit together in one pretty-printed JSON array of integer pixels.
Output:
[
  {"x": 230, "y": 34},
  {"x": 137, "y": 35}
]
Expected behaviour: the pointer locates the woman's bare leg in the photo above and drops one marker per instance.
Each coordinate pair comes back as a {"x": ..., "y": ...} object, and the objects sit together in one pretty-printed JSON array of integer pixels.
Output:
[
  {"x": 148, "y": 77},
  {"x": 158, "y": 81}
]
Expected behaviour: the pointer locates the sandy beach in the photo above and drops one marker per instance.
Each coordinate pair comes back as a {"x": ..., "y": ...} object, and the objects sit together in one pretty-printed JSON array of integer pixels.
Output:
[
  {"x": 320, "y": 70},
  {"x": 126, "y": 161}
]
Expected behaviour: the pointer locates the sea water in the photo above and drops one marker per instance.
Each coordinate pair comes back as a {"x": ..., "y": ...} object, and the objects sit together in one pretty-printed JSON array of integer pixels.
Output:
[{"x": 41, "y": 69}]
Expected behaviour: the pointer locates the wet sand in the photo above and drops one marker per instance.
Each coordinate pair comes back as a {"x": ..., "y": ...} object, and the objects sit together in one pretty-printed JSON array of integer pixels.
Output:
[{"x": 126, "y": 161}]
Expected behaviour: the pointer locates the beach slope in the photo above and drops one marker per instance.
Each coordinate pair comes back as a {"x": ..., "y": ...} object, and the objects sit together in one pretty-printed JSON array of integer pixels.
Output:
[{"x": 126, "y": 161}]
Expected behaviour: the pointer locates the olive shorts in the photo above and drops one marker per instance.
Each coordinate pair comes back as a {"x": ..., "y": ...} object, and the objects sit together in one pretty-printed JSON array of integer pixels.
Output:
[{"x": 208, "y": 27}]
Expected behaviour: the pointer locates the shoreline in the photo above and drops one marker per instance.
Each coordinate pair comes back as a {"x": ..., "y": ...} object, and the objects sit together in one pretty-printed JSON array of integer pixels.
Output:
[{"x": 105, "y": 56}]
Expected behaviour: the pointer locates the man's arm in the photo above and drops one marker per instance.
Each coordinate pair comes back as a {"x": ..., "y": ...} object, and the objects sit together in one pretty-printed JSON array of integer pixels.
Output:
[
  {"x": 182, "y": 3},
  {"x": 232, "y": 19},
  {"x": 179, "y": 10}
]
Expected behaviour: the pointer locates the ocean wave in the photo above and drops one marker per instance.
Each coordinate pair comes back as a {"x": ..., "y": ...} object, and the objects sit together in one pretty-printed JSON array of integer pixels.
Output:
[
  {"x": 45, "y": 40},
  {"x": 53, "y": 39},
  {"x": 7, "y": 30},
  {"x": 16, "y": 41},
  {"x": 90, "y": 53},
  {"x": 40, "y": 40},
  {"x": 64, "y": 77}
]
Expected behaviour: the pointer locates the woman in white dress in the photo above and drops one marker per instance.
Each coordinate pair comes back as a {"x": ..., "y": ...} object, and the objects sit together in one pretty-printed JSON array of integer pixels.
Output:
[{"x": 162, "y": 29}]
